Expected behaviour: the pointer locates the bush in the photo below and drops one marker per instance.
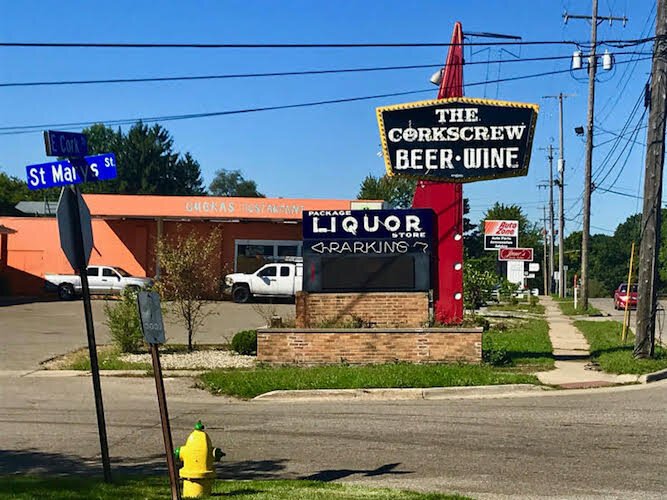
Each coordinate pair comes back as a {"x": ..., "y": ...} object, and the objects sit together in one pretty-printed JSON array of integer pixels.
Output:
[
  {"x": 123, "y": 322},
  {"x": 245, "y": 342},
  {"x": 495, "y": 354}
]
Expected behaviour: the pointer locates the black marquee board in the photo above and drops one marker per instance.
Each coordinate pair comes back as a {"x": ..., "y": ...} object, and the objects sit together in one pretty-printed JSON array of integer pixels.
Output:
[{"x": 457, "y": 140}]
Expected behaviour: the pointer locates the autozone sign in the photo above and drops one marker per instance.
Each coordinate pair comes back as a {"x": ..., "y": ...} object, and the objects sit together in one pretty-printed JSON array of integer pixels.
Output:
[
  {"x": 501, "y": 234},
  {"x": 524, "y": 254}
]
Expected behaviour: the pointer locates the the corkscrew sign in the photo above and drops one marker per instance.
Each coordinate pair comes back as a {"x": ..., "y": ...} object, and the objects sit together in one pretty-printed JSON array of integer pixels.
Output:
[{"x": 457, "y": 140}]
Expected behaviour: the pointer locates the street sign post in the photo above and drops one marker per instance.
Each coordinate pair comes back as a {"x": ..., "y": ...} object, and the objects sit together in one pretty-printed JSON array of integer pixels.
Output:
[
  {"x": 152, "y": 326},
  {"x": 76, "y": 234}
]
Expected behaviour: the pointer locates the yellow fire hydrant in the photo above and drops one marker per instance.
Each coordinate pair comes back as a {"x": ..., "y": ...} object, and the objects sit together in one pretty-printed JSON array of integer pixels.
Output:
[{"x": 198, "y": 455}]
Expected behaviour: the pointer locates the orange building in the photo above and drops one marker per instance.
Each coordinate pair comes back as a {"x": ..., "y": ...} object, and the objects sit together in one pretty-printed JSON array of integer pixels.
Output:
[{"x": 126, "y": 229}]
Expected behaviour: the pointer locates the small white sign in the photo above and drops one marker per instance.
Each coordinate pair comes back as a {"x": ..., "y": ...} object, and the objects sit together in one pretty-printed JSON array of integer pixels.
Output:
[
  {"x": 534, "y": 267},
  {"x": 531, "y": 275}
]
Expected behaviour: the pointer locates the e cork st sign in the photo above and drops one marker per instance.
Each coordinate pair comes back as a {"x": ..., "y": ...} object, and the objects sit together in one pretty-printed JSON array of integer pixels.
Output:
[{"x": 457, "y": 140}]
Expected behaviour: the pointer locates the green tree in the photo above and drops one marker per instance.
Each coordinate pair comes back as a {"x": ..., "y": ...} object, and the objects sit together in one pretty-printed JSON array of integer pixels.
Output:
[
  {"x": 397, "y": 190},
  {"x": 187, "y": 281},
  {"x": 13, "y": 190},
  {"x": 147, "y": 162},
  {"x": 232, "y": 183}
]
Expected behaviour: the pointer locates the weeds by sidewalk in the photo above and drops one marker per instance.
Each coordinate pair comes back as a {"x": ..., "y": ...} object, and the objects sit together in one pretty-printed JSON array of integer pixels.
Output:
[{"x": 612, "y": 354}]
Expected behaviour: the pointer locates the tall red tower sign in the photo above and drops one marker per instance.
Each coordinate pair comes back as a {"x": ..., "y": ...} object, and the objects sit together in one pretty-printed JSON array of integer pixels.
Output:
[{"x": 445, "y": 143}]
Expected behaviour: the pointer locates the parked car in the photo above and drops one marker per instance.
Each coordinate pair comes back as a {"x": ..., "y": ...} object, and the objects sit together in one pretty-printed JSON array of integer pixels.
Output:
[
  {"x": 282, "y": 279},
  {"x": 101, "y": 280},
  {"x": 621, "y": 296}
]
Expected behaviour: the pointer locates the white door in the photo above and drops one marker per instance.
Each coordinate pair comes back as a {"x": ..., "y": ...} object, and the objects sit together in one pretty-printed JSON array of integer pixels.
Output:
[
  {"x": 95, "y": 280},
  {"x": 285, "y": 284},
  {"x": 110, "y": 280},
  {"x": 264, "y": 281}
]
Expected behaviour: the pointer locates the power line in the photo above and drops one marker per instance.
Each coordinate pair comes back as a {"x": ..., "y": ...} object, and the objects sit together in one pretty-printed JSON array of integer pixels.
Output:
[
  {"x": 112, "y": 45},
  {"x": 18, "y": 129},
  {"x": 278, "y": 73}
]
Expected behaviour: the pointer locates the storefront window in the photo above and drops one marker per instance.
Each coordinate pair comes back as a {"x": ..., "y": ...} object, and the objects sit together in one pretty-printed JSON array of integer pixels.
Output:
[{"x": 251, "y": 255}]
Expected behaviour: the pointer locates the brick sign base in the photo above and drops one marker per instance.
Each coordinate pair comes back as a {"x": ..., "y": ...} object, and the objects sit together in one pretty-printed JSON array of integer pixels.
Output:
[
  {"x": 369, "y": 346},
  {"x": 379, "y": 309}
]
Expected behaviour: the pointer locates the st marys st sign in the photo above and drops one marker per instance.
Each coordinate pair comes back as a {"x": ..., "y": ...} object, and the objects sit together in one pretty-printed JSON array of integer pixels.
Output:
[{"x": 457, "y": 140}]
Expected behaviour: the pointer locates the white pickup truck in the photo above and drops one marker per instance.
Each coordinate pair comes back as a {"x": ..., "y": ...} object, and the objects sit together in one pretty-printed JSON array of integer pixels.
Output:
[
  {"x": 282, "y": 279},
  {"x": 101, "y": 280}
]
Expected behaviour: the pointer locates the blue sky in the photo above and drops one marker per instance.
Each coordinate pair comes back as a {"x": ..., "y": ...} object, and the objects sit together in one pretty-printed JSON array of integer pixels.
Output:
[{"x": 319, "y": 152}]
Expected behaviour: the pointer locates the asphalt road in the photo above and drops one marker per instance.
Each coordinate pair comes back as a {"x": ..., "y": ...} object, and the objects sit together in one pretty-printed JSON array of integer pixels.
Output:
[
  {"x": 590, "y": 444},
  {"x": 34, "y": 332},
  {"x": 605, "y": 443}
]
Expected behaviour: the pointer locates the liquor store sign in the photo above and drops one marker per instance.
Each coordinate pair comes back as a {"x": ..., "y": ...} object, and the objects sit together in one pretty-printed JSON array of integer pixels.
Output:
[
  {"x": 365, "y": 232},
  {"x": 501, "y": 234},
  {"x": 458, "y": 139}
]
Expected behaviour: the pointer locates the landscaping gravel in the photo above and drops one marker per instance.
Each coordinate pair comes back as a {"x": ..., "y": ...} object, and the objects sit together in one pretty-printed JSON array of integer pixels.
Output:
[{"x": 196, "y": 360}]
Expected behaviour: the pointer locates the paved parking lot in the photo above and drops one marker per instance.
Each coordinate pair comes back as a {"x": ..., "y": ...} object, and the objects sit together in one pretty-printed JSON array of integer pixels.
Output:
[{"x": 34, "y": 332}]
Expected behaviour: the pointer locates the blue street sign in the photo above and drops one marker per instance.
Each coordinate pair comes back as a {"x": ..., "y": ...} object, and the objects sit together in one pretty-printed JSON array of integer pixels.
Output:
[
  {"x": 63, "y": 173},
  {"x": 65, "y": 143}
]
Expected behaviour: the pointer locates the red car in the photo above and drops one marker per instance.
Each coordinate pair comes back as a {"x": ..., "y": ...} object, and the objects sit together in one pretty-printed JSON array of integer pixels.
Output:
[{"x": 621, "y": 296}]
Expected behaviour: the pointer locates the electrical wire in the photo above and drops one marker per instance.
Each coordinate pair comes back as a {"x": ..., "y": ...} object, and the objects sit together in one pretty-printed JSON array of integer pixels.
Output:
[
  {"x": 621, "y": 43},
  {"x": 278, "y": 73},
  {"x": 17, "y": 129}
]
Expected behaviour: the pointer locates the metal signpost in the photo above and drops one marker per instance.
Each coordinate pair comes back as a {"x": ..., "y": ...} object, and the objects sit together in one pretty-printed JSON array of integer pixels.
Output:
[
  {"x": 76, "y": 236},
  {"x": 152, "y": 326}
]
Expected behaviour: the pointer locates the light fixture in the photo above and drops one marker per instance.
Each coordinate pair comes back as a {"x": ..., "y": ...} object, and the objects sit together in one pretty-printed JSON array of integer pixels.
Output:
[
  {"x": 436, "y": 77},
  {"x": 579, "y": 130}
]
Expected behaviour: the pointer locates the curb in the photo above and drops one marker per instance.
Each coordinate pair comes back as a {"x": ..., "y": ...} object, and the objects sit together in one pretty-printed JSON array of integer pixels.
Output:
[
  {"x": 430, "y": 393},
  {"x": 104, "y": 373},
  {"x": 653, "y": 377}
]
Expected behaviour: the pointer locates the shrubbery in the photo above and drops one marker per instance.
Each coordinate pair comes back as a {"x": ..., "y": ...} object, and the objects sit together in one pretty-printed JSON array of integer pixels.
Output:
[
  {"x": 245, "y": 342},
  {"x": 495, "y": 354},
  {"x": 123, "y": 322}
]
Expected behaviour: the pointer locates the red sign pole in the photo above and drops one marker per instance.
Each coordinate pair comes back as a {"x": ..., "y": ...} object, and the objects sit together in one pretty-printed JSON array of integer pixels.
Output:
[{"x": 446, "y": 200}]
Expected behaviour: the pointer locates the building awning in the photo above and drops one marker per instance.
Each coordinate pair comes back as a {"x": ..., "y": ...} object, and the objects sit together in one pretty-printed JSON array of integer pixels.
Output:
[{"x": 213, "y": 207}]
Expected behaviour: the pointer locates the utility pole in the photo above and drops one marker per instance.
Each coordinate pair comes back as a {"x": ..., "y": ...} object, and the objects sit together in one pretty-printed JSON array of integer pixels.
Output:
[
  {"x": 550, "y": 267},
  {"x": 655, "y": 156},
  {"x": 592, "y": 67},
  {"x": 545, "y": 269},
  {"x": 561, "y": 187},
  {"x": 551, "y": 216}
]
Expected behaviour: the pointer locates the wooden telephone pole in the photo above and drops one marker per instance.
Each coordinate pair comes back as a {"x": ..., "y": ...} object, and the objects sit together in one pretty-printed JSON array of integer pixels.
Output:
[
  {"x": 592, "y": 68},
  {"x": 649, "y": 248}
]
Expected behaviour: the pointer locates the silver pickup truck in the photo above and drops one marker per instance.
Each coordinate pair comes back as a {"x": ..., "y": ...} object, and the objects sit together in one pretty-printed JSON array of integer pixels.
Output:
[{"x": 105, "y": 280}]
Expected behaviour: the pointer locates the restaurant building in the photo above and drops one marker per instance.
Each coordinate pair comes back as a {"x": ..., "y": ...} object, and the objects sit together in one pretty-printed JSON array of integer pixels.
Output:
[{"x": 126, "y": 229}]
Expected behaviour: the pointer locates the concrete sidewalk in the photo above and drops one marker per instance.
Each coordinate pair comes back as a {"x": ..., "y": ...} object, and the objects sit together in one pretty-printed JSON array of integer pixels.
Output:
[{"x": 572, "y": 354}]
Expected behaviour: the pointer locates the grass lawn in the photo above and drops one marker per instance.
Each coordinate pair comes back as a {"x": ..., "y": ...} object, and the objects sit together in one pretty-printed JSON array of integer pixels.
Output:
[
  {"x": 248, "y": 383},
  {"x": 154, "y": 488},
  {"x": 607, "y": 349},
  {"x": 524, "y": 347},
  {"x": 526, "y": 342},
  {"x": 567, "y": 307},
  {"x": 521, "y": 306}
]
